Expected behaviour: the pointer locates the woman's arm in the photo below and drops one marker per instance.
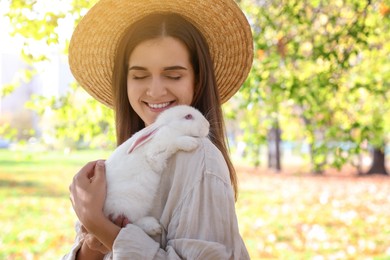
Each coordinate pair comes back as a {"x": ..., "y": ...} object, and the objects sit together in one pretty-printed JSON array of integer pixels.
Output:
[
  {"x": 86, "y": 246},
  {"x": 88, "y": 192}
]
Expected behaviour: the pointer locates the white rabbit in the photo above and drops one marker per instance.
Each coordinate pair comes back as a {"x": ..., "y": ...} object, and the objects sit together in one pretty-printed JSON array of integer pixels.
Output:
[{"x": 134, "y": 168}]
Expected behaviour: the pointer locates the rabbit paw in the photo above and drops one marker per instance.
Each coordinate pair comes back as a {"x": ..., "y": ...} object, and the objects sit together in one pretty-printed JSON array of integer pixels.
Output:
[
  {"x": 187, "y": 143},
  {"x": 157, "y": 161},
  {"x": 157, "y": 158},
  {"x": 150, "y": 225}
]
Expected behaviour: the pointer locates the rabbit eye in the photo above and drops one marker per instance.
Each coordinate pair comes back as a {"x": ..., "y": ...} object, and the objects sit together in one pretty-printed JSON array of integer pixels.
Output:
[{"x": 189, "y": 117}]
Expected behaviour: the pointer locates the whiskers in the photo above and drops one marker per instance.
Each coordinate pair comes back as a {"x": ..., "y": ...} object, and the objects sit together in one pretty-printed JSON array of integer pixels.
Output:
[{"x": 215, "y": 124}]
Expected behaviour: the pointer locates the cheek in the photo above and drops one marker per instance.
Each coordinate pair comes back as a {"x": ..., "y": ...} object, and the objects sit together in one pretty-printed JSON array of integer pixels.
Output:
[
  {"x": 132, "y": 95},
  {"x": 132, "y": 90},
  {"x": 188, "y": 93},
  {"x": 129, "y": 94},
  {"x": 191, "y": 94},
  {"x": 189, "y": 97}
]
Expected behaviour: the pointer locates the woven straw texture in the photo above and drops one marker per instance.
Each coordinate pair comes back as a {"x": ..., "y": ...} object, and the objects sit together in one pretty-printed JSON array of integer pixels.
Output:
[{"x": 95, "y": 39}]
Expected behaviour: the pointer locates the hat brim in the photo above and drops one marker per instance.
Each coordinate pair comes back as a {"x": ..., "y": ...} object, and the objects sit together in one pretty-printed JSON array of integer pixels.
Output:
[{"x": 222, "y": 23}]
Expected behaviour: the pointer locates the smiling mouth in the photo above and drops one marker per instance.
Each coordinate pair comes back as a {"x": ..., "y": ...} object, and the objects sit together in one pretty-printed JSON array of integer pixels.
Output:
[{"x": 159, "y": 106}]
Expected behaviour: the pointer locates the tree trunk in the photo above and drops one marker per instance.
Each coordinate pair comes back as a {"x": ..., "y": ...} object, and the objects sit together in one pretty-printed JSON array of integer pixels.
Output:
[
  {"x": 316, "y": 167},
  {"x": 274, "y": 152},
  {"x": 378, "y": 162}
]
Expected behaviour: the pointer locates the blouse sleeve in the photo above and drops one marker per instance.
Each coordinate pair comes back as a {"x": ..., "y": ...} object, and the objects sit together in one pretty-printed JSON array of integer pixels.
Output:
[
  {"x": 199, "y": 215},
  {"x": 80, "y": 237},
  {"x": 77, "y": 243}
]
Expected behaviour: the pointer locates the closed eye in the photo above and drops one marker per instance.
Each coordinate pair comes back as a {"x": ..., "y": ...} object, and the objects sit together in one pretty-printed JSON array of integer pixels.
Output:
[
  {"x": 174, "y": 78},
  {"x": 138, "y": 72},
  {"x": 139, "y": 77}
]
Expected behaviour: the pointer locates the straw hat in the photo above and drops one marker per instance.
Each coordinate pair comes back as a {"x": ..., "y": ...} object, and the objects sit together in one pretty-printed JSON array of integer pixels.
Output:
[{"x": 222, "y": 23}]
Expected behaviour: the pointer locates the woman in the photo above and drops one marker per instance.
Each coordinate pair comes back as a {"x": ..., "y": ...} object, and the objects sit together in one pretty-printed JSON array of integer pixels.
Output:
[{"x": 142, "y": 57}]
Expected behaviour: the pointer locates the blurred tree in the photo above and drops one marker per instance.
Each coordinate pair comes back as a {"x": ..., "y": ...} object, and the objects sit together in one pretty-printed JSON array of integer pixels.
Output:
[
  {"x": 311, "y": 56},
  {"x": 73, "y": 120},
  {"x": 320, "y": 74}
]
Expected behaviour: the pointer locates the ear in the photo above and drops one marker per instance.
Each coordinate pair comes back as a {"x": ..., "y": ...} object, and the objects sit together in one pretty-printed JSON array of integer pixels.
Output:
[{"x": 144, "y": 136}]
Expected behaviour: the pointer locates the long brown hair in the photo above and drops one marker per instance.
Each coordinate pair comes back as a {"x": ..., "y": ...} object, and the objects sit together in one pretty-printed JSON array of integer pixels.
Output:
[{"x": 206, "y": 97}]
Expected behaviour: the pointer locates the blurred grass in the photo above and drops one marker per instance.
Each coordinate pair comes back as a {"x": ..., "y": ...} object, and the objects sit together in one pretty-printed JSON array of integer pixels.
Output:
[
  {"x": 35, "y": 212},
  {"x": 315, "y": 217},
  {"x": 280, "y": 216}
]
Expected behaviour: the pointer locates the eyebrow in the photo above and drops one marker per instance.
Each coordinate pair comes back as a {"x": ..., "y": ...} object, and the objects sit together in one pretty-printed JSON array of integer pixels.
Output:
[{"x": 177, "y": 67}]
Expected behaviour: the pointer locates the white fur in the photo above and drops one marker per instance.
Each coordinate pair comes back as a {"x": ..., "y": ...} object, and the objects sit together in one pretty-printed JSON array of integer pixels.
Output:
[{"x": 134, "y": 168}]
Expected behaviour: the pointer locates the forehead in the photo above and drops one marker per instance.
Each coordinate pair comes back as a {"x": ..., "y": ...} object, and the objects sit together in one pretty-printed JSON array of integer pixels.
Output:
[{"x": 167, "y": 50}]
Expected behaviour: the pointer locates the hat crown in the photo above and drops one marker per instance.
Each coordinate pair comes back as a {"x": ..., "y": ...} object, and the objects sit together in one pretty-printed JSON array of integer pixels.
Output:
[{"x": 95, "y": 40}]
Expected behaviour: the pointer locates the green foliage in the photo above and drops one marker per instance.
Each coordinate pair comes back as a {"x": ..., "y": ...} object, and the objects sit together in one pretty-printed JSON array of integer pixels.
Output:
[
  {"x": 39, "y": 22},
  {"x": 72, "y": 120},
  {"x": 7, "y": 132},
  {"x": 320, "y": 72},
  {"x": 23, "y": 75},
  {"x": 75, "y": 120},
  {"x": 312, "y": 60}
]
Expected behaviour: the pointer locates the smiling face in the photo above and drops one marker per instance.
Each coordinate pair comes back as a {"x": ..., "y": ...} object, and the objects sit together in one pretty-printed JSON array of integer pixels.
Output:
[{"x": 160, "y": 76}]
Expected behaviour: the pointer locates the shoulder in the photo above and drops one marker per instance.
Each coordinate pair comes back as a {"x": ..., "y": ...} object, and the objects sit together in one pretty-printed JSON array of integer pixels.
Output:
[
  {"x": 203, "y": 162},
  {"x": 215, "y": 163}
]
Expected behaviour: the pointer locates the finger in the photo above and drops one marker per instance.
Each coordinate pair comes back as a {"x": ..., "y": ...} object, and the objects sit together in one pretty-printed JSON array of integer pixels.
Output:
[
  {"x": 121, "y": 221},
  {"x": 118, "y": 220},
  {"x": 71, "y": 199},
  {"x": 84, "y": 174},
  {"x": 71, "y": 188},
  {"x": 125, "y": 222},
  {"x": 102, "y": 249},
  {"x": 81, "y": 177},
  {"x": 94, "y": 244},
  {"x": 100, "y": 170},
  {"x": 83, "y": 229},
  {"x": 92, "y": 241},
  {"x": 88, "y": 169}
]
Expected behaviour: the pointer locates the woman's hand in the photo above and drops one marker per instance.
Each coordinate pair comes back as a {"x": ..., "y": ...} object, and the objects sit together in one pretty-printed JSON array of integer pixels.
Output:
[
  {"x": 88, "y": 192},
  {"x": 94, "y": 244},
  {"x": 92, "y": 247}
]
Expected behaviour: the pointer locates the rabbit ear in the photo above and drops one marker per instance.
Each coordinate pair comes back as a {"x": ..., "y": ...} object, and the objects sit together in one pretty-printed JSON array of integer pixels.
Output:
[{"x": 146, "y": 135}]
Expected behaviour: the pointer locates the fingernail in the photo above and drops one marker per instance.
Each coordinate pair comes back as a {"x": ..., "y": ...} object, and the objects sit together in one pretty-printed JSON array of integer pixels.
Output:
[{"x": 100, "y": 163}]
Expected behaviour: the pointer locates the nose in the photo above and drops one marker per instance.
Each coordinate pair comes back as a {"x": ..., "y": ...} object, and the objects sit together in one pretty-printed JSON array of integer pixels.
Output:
[{"x": 156, "y": 88}]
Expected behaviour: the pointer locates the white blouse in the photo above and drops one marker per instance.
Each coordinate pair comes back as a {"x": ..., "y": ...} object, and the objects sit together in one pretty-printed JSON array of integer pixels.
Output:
[{"x": 194, "y": 205}]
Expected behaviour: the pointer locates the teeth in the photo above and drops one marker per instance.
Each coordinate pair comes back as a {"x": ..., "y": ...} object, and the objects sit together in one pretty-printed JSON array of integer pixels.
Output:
[{"x": 158, "y": 106}]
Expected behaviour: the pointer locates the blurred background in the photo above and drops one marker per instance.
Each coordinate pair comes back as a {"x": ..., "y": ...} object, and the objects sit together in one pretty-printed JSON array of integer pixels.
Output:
[{"x": 309, "y": 130}]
